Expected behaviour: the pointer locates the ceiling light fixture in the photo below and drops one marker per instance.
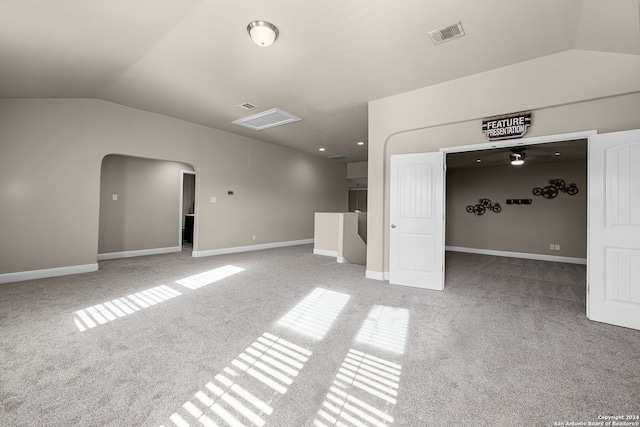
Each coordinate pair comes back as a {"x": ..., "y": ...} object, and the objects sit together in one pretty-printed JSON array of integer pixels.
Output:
[
  {"x": 263, "y": 33},
  {"x": 320, "y": 149},
  {"x": 360, "y": 143},
  {"x": 557, "y": 153}
]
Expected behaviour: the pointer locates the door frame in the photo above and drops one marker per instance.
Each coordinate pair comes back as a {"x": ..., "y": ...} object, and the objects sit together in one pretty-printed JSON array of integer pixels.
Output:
[
  {"x": 181, "y": 207},
  {"x": 544, "y": 139}
]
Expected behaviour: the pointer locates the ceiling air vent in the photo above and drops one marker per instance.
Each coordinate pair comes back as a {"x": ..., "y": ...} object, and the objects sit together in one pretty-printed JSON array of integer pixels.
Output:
[
  {"x": 247, "y": 106},
  {"x": 341, "y": 157},
  {"x": 447, "y": 33},
  {"x": 267, "y": 119}
]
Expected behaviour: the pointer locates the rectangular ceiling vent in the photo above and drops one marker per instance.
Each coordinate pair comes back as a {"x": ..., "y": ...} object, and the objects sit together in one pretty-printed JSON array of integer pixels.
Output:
[
  {"x": 267, "y": 119},
  {"x": 340, "y": 157},
  {"x": 247, "y": 106},
  {"x": 447, "y": 33}
]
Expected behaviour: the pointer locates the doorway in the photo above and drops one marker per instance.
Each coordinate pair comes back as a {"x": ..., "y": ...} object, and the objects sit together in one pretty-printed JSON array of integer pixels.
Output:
[
  {"x": 536, "y": 210},
  {"x": 187, "y": 210},
  {"x": 613, "y": 232},
  {"x": 140, "y": 202},
  {"x": 432, "y": 184}
]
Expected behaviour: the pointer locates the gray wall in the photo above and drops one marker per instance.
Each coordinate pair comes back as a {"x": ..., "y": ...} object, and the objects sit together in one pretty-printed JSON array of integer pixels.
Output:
[
  {"x": 519, "y": 228},
  {"x": 52, "y": 152},
  {"x": 146, "y": 213}
]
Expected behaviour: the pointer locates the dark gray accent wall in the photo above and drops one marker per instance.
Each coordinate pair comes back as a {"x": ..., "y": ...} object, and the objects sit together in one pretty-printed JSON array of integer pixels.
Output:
[{"x": 519, "y": 228}]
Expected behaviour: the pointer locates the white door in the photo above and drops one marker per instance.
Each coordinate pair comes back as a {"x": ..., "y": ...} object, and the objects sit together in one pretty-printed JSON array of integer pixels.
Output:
[
  {"x": 416, "y": 237},
  {"x": 613, "y": 277}
]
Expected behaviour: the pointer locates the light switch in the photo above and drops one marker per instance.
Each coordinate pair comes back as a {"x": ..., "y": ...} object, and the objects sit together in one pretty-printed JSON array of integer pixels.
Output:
[
  {"x": 114, "y": 197},
  {"x": 213, "y": 199}
]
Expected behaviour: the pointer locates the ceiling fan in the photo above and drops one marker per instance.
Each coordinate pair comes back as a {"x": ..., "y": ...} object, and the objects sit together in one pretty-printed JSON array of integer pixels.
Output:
[{"x": 517, "y": 155}]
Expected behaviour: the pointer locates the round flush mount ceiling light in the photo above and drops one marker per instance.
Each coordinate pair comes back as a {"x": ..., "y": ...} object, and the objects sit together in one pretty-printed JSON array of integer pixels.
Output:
[{"x": 263, "y": 33}]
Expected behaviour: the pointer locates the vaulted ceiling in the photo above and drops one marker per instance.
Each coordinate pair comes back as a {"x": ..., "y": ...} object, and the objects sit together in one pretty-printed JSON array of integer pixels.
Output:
[{"x": 194, "y": 60}]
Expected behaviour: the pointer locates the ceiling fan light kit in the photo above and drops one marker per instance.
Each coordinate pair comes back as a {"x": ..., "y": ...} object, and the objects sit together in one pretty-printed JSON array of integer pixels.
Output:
[{"x": 517, "y": 157}]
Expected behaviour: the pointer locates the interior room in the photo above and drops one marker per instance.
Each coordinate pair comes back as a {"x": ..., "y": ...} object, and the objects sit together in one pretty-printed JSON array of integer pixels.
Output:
[
  {"x": 518, "y": 219},
  {"x": 319, "y": 214}
]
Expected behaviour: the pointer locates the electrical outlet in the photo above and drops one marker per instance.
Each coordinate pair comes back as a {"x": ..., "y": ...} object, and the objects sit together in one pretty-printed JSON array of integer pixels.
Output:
[
  {"x": 552, "y": 246},
  {"x": 254, "y": 237},
  {"x": 114, "y": 197},
  {"x": 213, "y": 199},
  {"x": 557, "y": 248}
]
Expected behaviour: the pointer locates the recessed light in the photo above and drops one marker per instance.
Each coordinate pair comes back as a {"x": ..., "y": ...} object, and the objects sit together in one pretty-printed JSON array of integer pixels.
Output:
[
  {"x": 320, "y": 149},
  {"x": 478, "y": 160},
  {"x": 360, "y": 143},
  {"x": 557, "y": 153}
]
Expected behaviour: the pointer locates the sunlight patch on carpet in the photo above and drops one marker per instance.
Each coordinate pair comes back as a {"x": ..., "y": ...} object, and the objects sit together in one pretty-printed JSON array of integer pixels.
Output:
[
  {"x": 106, "y": 312},
  {"x": 314, "y": 315},
  {"x": 385, "y": 328},
  {"x": 208, "y": 277},
  {"x": 363, "y": 393},
  {"x": 242, "y": 394}
]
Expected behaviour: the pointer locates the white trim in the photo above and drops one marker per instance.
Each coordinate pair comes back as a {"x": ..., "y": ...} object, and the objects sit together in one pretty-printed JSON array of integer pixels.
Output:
[
  {"x": 376, "y": 275},
  {"x": 525, "y": 141},
  {"x": 539, "y": 257},
  {"x": 325, "y": 252},
  {"x": 342, "y": 260},
  {"x": 141, "y": 252},
  {"x": 210, "y": 252},
  {"x": 21, "y": 276}
]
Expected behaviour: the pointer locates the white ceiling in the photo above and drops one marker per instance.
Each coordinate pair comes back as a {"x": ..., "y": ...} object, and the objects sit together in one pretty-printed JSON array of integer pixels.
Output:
[{"x": 193, "y": 59}]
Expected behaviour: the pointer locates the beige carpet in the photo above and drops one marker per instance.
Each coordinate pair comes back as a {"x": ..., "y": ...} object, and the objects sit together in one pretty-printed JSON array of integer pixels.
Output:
[{"x": 286, "y": 338}]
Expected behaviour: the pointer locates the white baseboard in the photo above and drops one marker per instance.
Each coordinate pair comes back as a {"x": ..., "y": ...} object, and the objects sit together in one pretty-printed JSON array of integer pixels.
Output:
[
  {"x": 325, "y": 252},
  {"x": 237, "y": 249},
  {"x": 21, "y": 276},
  {"x": 141, "y": 252},
  {"x": 539, "y": 257},
  {"x": 376, "y": 275}
]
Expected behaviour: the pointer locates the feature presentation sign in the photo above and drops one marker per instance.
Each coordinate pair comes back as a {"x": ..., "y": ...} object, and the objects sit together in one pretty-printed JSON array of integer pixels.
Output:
[{"x": 506, "y": 127}]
